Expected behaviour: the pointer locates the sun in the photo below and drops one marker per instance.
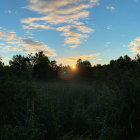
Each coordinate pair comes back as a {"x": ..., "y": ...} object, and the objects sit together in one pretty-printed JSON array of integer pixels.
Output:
[{"x": 73, "y": 67}]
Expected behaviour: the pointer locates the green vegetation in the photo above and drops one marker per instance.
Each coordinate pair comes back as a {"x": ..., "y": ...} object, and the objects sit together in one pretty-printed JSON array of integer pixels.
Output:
[{"x": 96, "y": 103}]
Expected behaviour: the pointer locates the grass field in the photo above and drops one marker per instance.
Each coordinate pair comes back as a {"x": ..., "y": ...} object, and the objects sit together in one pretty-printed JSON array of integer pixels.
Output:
[{"x": 65, "y": 111}]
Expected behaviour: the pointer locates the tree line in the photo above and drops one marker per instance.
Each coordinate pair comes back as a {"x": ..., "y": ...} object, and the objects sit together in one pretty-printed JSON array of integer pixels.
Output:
[{"x": 39, "y": 67}]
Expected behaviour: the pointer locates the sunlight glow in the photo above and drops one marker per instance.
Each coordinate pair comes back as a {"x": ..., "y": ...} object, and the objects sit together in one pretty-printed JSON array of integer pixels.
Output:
[{"x": 73, "y": 67}]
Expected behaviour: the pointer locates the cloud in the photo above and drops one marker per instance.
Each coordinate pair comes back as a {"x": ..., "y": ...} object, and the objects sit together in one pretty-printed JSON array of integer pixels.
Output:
[
  {"x": 78, "y": 57},
  {"x": 59, "y": 7},
  {"x": 74, "y": 34},
  {"x": 33, "y": 46},
  {"x": 9, "y": 48},
  {"x": 73, "y": 40},
  {"x": 8, "y": 12},
  {"x": 61, "y": 15},
  {"x": 32, "y": 25},
  {"x": 1, "y": 44},
  {"x": 84, "y": 29},
  {"x": 53, "y": 19},
  {"x": 73, "y": 46},
  {"x": 100, "y": 59},
  {"x": 109, "y": 27},
  {"x": 28, "y": 33},
  {"x": 26, "y": 45},
  {"x": 3, "y": 57},
  {"x": 107, "y": 44},
  {"x": 111, "y": 8},
  {"x": 135, "y": 45},
  {"x": 7, "y": 36},
  {"x": 136, "y": 0}
]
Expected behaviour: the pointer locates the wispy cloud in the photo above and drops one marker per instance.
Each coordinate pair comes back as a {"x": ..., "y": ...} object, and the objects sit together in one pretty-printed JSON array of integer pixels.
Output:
[
  {"x": 78, "y": 57},
  {"x": 1, "y": 44},
  {"x": 109, "y": 27},
  {"x": 100, "y": 59},
  {"x": 135, "y": 45},
  {"x": 62, "y": 15},
  {"x": 73, "y": 40},
  {"x": 60, "y": 7},
  {"x": 73, "y": 46},
  {"x": 3, "y": 57},
  {"x": 8, "y": 12},
  {"x": 33, "y": 46},
  {"x": 28, "y": 33},
  {"x": 107, "y": 44},
  {"x": 111, "y": 8},
  {"x": 7, "y": 36},
  {"x": 26, "y": 45},
  {"x": 72, "y": 35}
]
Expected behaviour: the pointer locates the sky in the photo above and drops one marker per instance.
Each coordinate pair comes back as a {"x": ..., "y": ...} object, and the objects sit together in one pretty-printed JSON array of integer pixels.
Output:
[{"x": 67, "y": 30}]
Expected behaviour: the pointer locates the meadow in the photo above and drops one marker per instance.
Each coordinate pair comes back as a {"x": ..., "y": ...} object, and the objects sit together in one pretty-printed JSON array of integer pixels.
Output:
[{"x": 100, "y": 103}]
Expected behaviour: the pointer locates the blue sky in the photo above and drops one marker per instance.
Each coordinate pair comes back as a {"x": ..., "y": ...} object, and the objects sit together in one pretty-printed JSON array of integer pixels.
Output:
[{"x": 66, "y": 30}]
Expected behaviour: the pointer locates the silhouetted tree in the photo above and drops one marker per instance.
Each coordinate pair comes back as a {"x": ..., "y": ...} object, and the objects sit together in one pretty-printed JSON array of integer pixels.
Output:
[
  {"x": 1, "y": 64},
  {"x": 20, "y": 65},
  {"x": 1, "y": 67},
  {"x": 43, "y": 68},
  {"x": 84, "y": 68}
]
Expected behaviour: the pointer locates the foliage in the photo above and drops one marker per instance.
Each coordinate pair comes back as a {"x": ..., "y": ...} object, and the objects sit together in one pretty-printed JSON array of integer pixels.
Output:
[{"x": 100, "y": 103}]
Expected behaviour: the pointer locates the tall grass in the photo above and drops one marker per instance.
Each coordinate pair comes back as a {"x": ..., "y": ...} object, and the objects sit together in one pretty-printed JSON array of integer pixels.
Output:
[{"x": 69, "y": 111}]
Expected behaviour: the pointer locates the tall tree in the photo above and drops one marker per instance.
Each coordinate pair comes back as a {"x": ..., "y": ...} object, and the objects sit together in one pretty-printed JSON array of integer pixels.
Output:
[
  {"x": 84, "y": 68},
  {"x": 43, "y": 68},
  {"x": 20, "y": 65}
]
